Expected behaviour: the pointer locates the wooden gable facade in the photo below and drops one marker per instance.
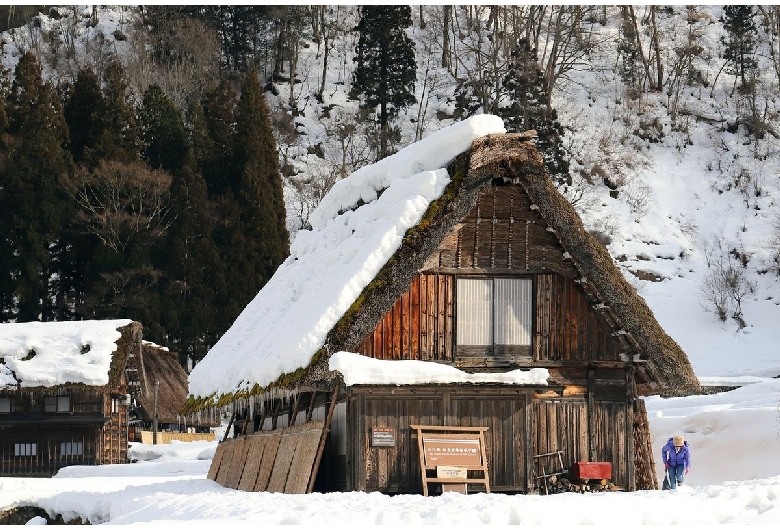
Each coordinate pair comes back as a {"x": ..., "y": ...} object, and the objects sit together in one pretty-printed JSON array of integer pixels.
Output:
[
  {"x": 43, "y": 429},
  {"x": 500, "y": 275}
]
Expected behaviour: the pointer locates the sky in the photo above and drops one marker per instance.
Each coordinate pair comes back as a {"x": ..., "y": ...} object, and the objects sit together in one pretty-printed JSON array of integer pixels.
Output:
[{"x": 678, "y": 197}]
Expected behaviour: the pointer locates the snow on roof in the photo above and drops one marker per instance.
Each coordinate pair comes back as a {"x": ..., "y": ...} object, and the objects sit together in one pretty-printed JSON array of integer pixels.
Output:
[
  {"x": 65, "y": 352},
  {"x": 360, "y": 370},
  {"x": 330, "y": 265}
]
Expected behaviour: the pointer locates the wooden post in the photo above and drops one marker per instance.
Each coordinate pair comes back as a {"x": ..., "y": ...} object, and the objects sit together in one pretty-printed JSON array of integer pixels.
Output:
[
  {"x": 154, "y": 418},
  {"x": 321, "y": 447},
  {"x": 294, "y": 410},
  {"x": 230, "y": 424},
  {"x": 310, "y": 408},
  {"x": 591, "y": 415}
]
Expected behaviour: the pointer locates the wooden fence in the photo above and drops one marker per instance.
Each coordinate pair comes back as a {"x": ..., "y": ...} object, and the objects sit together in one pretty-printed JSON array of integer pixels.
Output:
[{"x": 167, "y": 437}]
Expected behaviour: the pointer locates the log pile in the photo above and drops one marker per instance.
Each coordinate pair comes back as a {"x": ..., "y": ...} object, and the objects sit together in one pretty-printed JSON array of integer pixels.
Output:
[{"x": 556, "y": 484}]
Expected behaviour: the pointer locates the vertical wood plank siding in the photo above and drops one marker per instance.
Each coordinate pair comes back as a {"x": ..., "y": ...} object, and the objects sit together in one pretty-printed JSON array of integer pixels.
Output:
[
  {"x": 396, "y": 469},
  {"x": 421, "y": 324}
]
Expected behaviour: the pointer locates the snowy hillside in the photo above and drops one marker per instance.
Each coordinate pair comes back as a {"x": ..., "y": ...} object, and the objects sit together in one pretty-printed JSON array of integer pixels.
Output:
[
  {"x": 688, "y": 191},
  {"x": 677, "y": 185}
]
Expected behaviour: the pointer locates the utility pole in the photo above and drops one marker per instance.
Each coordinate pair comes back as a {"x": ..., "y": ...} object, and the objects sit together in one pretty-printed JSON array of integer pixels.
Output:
[{"x": 154, "y": 418}]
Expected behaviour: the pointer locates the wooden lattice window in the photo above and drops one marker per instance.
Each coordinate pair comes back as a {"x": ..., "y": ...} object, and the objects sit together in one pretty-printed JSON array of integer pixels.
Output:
[
  {"x": 26, "y": 449},
  {"x": 71, "y": 448},
  {"x": 494, "y": 316}
]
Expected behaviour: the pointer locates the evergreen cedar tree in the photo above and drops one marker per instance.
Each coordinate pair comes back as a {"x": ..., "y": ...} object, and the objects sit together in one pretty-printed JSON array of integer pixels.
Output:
[
  {"x": 186, "y": 280},
  {"x": 162, "y": 132},
  {"x": 34, "y": 205},
  {"x": 530, "y": 109},
  {"x": 386, "y": 67},
  {"x": 740, "y": 40}
]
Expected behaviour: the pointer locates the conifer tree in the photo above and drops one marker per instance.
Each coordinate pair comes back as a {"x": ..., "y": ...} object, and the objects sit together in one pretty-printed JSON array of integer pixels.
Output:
[
  {"x": 259, "y": 193},
  {"x": 83, "y": 113},
  {"x": 120, "y": 134},
  {"x": 386, "y": 67},
  {"x": 163, "y": 134},
  {"x": 193, "y": 270},
  {"x": 35, "y": 206},
  {"x": 213, "y": 131},
  {"x": 530, "y": 108},
  {"x": 740, "y": 40}
]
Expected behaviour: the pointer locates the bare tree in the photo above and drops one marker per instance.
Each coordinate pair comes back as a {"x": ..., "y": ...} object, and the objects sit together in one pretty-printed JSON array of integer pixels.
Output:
[
  {"x": 184, "y": 61},
  {"x": 726, "y": 284},
  {"x": 124, "y": 205}
]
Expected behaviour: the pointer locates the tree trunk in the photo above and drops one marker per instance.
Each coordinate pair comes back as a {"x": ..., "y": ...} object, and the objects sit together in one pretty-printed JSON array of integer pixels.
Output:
[
  {"x": 445, "y": 47},
  {"x": 645, "y": 62},
  {"x": 658, "y": 63}
]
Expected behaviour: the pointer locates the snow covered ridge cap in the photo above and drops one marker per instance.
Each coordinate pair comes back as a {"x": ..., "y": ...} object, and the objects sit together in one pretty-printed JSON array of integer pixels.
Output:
[
  {"x": 64, "y": 352},
  {"x": 428, "y": 154},
  {"x": 360, "y": 370}
]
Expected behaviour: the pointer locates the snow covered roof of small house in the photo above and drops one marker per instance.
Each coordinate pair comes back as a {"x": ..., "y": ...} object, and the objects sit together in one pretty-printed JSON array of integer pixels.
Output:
[
  {"x": 47, "y": 354},
  {"x": 355, "y": 230}
]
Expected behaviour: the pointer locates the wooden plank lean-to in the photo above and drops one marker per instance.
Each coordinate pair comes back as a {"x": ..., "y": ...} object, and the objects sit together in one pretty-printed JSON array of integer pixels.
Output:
[
  {"x": 254, "y": 457},
  {"x": 216, "y": 461},
  {"x": 271, "y": 442},
  {"x": 323, "y": 439}
]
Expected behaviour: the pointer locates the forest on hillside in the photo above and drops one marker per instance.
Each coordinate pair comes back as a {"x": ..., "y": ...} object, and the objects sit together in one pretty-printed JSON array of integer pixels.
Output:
[{"x": 153, "y": 167}]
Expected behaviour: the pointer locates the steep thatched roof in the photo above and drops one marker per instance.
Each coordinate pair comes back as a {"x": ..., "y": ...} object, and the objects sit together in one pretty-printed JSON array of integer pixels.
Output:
[
  {"x": 157, "y": 364},
  {"x": 514, "y": 158}
]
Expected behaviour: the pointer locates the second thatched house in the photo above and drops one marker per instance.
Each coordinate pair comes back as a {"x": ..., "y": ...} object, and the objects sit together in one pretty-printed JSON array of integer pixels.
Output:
[
  {"x": 63, "y": 394},
  {"x": 157, "y": 385},
  {"x": 447, "y": 314}
]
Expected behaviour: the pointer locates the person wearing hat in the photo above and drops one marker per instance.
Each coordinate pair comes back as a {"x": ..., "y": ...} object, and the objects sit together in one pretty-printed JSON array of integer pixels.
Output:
[{"x": 677, "y": 459}]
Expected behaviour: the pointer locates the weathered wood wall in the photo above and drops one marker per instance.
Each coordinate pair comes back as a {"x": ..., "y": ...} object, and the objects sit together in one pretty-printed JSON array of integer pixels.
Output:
[
  {"x": 421, "y": 324},
  {"x": 28, "y": 423},
  {"x": 114, "y": 433},
  {"x": 521, "y": 424}
]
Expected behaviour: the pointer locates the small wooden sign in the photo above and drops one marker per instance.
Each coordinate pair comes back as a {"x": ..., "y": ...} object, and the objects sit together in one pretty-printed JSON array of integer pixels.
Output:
[
  {"x": 455, "y": 451},
  {"x": 451, "y": 472},
  {"x": 382, "y": 437}
]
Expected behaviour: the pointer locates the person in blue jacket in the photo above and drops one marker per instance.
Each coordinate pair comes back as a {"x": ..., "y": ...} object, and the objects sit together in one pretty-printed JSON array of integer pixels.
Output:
[{"x": 677, "y": 459}]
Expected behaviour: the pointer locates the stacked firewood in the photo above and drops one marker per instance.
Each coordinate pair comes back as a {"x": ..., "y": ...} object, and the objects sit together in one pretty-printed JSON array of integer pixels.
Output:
[{"x": 555, "y": 484}]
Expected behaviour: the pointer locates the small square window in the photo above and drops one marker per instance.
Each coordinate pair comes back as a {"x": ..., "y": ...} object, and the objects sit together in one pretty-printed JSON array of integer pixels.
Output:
[{"x": 5, "y": 405}]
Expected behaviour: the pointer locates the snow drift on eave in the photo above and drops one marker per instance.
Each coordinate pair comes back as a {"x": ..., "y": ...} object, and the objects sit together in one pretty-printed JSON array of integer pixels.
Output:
[
  {"x": 64, "y": 352},
  {"x": 355, "y": 230}
]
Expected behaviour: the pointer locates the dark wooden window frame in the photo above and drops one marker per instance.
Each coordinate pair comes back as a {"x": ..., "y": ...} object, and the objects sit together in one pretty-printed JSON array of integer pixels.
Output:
[
  {"x": 56, "y": 406},
  {"x": 494, "y": 350}
]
